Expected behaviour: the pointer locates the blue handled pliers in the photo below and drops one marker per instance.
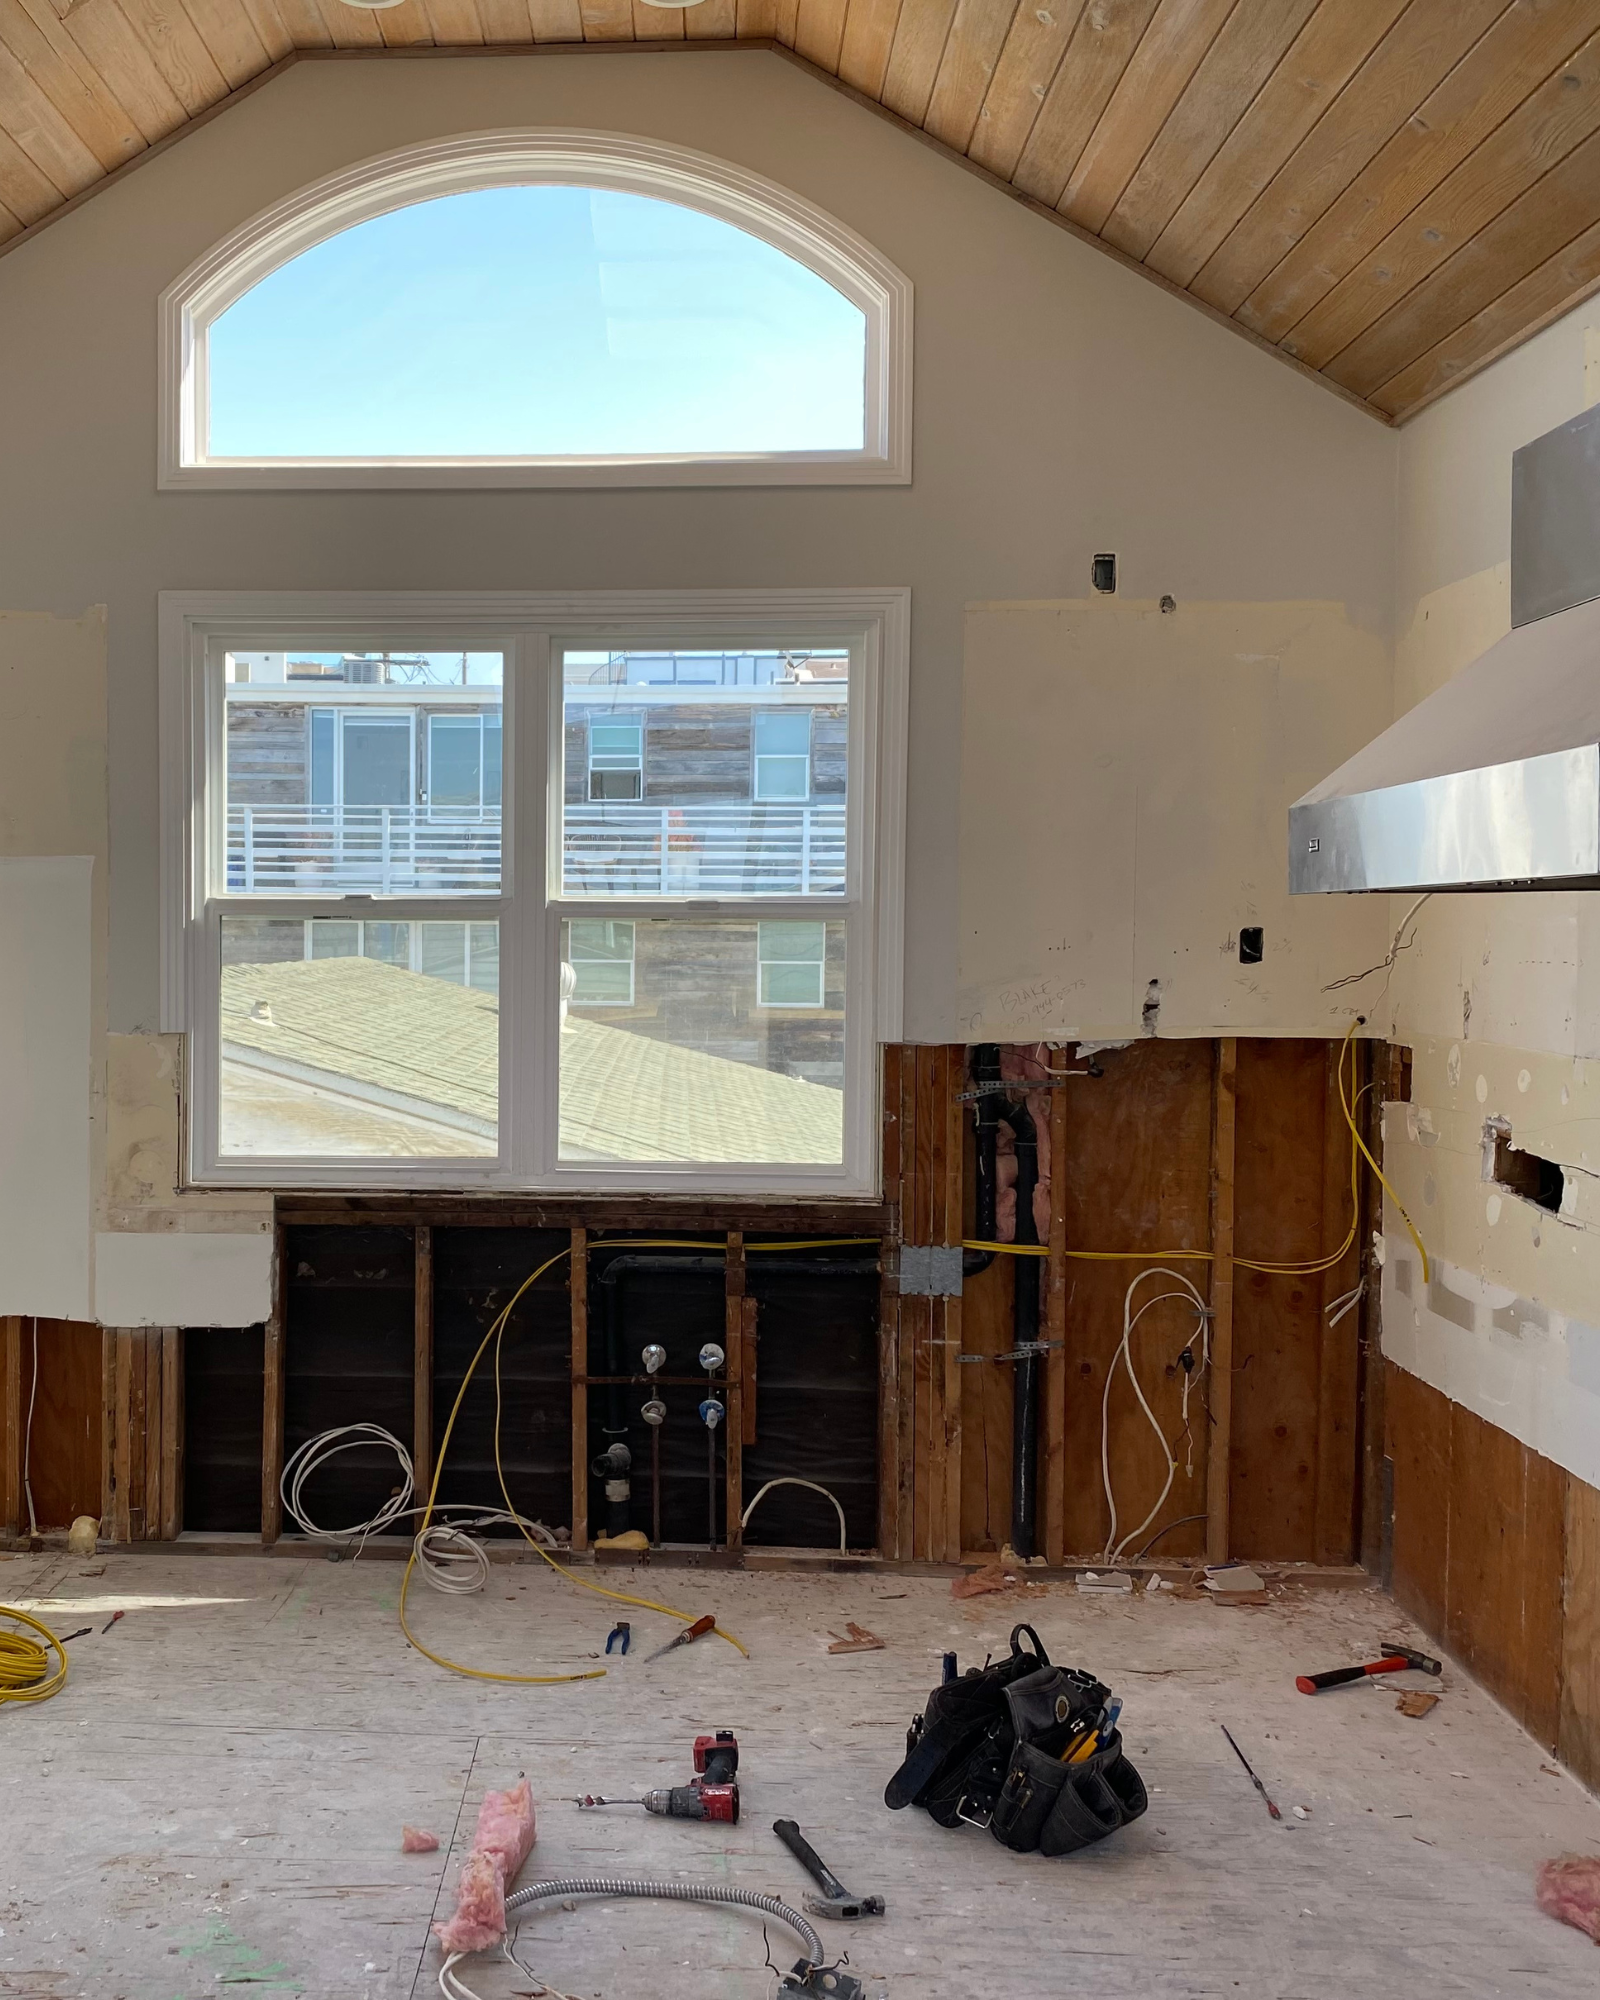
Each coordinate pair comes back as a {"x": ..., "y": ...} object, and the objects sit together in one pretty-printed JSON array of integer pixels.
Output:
[{"x": 624, "y": 1632}]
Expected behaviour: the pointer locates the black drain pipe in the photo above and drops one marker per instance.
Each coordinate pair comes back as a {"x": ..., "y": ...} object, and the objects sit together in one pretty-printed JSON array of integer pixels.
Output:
[{"x": 995, "y": 1108}]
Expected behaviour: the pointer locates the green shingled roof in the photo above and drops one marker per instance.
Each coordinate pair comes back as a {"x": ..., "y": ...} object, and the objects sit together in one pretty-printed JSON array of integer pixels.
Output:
[{"x": 432, "y": 1046}]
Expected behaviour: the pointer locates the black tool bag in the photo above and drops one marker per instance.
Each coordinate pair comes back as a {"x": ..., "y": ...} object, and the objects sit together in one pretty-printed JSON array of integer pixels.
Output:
[{"x": 986, "y": 1751}]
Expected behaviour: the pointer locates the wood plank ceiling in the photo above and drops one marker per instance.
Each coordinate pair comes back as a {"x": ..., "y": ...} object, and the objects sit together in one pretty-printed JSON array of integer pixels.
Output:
[{"x": 1391, "y": 192}]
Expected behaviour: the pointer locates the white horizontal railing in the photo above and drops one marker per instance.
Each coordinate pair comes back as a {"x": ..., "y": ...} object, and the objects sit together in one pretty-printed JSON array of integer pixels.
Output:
[
  {"x": 703, "y": 850},
  {"x": 372, "y": 850},
  {"x": 608, "y": 850}
]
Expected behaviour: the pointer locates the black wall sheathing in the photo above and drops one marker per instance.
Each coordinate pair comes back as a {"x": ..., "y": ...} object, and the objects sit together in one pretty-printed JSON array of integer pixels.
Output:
[
  {"x": 679, "y": 1310},
  {"x": 816, "y": 1408},
  {"x": 816, "y": 1399},
  {"x": 348, "y": 1347},
  {"x": 349, "y": 1328},
  {"x": 475, "y": 1272},
  {"x": 222, "y": 1383}
]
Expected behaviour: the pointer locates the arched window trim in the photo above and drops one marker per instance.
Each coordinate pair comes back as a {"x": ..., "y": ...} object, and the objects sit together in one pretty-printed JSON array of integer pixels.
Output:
[{"x": 478, "y": 160}]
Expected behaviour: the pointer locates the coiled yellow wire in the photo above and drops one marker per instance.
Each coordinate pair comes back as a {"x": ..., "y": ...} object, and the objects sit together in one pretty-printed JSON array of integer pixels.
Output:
[{"x": 25, "y": 1671}]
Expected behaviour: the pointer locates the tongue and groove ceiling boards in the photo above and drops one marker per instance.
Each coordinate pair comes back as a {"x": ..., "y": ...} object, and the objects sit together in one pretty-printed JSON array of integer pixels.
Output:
[{"x": 1388, "y": 192}]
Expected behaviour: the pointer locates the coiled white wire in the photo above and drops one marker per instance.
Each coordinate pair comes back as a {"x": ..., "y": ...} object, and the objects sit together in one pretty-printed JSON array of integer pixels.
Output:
[
  {"x": 1115, "y": 1549},
  {"x": 315, "y": 1453},
  {"x": 449, "y": 1558}
]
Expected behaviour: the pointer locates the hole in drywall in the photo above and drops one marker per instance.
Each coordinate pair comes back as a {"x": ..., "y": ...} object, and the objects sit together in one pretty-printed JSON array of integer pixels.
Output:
[
  {"x": 1251, "y": 944},
  {"x": 1104, "y": 573},
  {"x": 1522, "y": 1173}
]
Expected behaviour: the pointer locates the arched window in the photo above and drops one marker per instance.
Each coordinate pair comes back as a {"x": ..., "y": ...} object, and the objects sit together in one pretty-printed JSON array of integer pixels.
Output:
[{"x": 539, "y": 309}]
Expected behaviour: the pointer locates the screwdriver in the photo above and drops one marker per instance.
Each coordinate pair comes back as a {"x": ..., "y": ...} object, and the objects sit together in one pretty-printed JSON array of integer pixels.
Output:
[
  {"x": 697, "y": 1630},
  {"x": 1245, "y": 1761}
]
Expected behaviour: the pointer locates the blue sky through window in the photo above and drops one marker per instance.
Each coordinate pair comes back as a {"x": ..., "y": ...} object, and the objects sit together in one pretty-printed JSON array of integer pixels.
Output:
[{"x": 532, "y": 321}]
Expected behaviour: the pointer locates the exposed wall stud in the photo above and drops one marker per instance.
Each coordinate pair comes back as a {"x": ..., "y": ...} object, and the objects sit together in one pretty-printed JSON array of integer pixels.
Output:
[
  {"x": 579, "y": 1279},
  {"x": 1220, "y": 1448},
  {"x": 272, "y": 1374}
]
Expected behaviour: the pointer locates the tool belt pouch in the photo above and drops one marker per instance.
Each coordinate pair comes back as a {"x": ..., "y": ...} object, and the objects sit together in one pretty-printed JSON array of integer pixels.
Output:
[
  {"x": 964, "y": 1730},
  {"x": 1099, "y": 1795},
  {"x": 1027, "y": 1800}
]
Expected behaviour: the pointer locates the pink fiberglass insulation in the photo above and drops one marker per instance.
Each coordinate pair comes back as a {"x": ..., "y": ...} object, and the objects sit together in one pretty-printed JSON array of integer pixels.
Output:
[
  {"x": 417, "y": 1840},
  {"x": 502, "y": 1843},
  {"x": 1570, "y": 1889}
]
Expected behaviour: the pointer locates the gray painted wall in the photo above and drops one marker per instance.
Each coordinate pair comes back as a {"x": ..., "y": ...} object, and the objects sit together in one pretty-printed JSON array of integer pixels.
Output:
[{"x": 1063, "y": 406}]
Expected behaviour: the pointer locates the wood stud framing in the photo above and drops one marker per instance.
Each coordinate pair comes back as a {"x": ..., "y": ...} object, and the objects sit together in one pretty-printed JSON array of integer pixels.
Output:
[
  {"x": 1387, "y": 195},
  {"x": 143, "y": 1429},
  {"x": 1219, "y": 1446},
  {"x": 1164, "y": 1115},
  {"x": 422, "y": 1363}
]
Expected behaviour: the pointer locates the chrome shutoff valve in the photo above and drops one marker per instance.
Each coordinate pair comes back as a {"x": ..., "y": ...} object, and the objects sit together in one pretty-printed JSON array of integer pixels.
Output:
[
  {"x": 654, "y": 1359},
  {"x": 711, "y": 1413},
  {"x": 654, "y": 1412},
  {"x": 711, "y": 1357}
]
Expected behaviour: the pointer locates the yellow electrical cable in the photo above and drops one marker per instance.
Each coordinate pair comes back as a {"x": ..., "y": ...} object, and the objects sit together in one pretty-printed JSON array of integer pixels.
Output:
[
  {"x": 496, "y": 1334},
  {"x": 1405, "y": 1214},
  {"x": 25, "y": 1672},
  {"x": 1310, "y": 1268}
]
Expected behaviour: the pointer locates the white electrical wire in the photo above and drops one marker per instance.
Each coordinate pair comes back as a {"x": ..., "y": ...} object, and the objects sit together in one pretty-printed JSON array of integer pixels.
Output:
[
  {"x": 744, "y": 1518},
  {"x": 315, "y": 1453},
  {"x": 1124, "y": 1355},
  {"x": 457, "y": 1564},
  {"x": 449, "y": 1558}
]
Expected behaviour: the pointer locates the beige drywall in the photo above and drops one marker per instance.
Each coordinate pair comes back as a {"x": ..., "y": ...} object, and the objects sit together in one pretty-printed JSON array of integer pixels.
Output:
[
  {"x": 54, "y": 849},
  {"x": 89, "y": 1122},
  {"x": 46, "y": 1044},
  {"x": 1125, "y": 784},
  {"x": 1063, "y": 406},
  {"x": 1498, "y": 995}
]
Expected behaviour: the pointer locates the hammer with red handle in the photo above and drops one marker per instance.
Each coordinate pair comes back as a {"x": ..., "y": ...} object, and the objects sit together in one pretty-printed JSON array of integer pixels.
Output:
[{"x": 1396, "y": 1659}]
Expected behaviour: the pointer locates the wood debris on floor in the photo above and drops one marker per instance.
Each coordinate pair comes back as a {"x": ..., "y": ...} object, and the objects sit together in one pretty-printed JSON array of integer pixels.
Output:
[{"x": 214, "y": 1799}]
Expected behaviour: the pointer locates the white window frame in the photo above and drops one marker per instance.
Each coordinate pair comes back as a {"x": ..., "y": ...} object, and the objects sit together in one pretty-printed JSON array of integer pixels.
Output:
[
  {"x": 469, "y": 161},
  {"x": 531, "y": 629}
]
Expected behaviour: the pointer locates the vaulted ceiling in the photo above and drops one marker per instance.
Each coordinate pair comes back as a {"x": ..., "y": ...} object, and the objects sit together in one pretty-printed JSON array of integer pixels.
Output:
[{"x": 1388, "y": 192}]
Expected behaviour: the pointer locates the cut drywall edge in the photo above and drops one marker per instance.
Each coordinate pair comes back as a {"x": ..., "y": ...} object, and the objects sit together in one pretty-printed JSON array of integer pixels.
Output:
[
  {"x": 1511, "y": 1360},
  {"x": 46, "y": 933},
  {"x": 179, "y": 1278}
]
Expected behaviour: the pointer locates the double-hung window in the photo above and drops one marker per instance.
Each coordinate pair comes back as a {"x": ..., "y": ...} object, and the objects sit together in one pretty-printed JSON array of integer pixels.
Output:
[
  {"x": 616, "y": 758},
  {"x": 783, "y": 754},
  {"x": 412, "y": 943}
]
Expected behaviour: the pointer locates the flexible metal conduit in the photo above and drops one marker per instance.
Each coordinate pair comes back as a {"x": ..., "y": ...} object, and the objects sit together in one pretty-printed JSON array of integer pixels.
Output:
[{"x": 671, "y": 1892}]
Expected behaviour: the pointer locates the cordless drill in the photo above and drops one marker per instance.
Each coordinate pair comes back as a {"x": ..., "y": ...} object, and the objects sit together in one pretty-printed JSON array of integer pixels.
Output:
[{"x": 712, "y": 1793}]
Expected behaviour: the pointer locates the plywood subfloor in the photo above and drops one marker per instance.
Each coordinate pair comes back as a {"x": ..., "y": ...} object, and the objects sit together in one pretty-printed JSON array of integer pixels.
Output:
[{"x": 215, "y": 1802}]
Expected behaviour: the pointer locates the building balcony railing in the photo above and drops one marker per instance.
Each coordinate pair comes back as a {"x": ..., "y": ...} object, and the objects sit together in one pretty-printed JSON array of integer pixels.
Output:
[
  {"x": 703, "y": 850},
  {"x": 616, "y": 849}
]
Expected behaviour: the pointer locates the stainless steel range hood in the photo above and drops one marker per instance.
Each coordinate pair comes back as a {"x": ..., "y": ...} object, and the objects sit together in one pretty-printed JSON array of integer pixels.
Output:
[{"x": 1493, "y": 782}]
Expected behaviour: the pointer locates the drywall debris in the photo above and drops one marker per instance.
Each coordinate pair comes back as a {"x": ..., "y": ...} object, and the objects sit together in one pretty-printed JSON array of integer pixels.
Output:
[{"x": 1417, "y": 1701}]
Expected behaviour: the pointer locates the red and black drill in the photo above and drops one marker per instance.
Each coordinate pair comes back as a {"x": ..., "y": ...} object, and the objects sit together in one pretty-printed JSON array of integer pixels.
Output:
[{"x": 712, "y": 1793}]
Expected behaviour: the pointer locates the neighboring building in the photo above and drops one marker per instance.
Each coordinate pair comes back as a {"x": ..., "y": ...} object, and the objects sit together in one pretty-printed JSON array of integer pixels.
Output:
[{"x": 684, "y": 776}]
